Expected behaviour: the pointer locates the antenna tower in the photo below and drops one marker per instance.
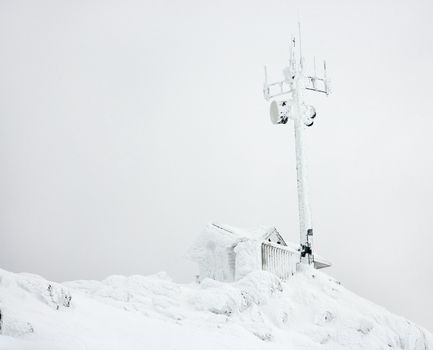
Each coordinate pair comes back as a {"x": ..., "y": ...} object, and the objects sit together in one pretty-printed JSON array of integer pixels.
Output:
[{"x": 295, "y": 81}]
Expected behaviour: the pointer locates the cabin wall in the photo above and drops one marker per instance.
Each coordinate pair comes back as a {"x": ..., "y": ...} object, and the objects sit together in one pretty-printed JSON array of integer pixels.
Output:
[
  {"x": 281, "y": 262},
  {"x": 247, "y": 258},
  {"x": 276, "y": 238},
  {"x": 217, "y": 263}
]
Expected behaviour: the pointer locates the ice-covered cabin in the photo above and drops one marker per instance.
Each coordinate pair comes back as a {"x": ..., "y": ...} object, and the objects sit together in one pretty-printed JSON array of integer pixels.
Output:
[{"x": 227, "y": 254}]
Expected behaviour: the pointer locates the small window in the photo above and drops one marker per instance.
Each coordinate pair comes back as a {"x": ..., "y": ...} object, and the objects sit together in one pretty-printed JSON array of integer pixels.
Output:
[{"x": 269, "y": 239}]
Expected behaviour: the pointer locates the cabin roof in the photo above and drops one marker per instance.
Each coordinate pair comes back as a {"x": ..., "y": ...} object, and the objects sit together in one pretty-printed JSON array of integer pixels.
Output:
[
  {"x": 259, "y": 234},
  {"x": 216, "y": 234},
  {"x": 234, "y": 235}
]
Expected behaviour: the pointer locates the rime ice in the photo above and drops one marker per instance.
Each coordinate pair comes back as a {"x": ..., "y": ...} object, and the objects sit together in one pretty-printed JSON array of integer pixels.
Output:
[{"x": 227, "y": 254}]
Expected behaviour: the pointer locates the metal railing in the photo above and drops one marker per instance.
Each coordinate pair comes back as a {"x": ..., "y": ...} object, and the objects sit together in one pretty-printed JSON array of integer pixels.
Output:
[{"x": 279, "y": 260}]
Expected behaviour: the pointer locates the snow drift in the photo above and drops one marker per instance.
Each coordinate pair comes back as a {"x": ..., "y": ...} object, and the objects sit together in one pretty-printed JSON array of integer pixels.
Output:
[{"x": 309, "y": 311}]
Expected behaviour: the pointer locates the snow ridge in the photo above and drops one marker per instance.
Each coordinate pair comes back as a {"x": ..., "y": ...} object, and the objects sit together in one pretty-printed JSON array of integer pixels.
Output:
[{"x": 310, "y": 311}]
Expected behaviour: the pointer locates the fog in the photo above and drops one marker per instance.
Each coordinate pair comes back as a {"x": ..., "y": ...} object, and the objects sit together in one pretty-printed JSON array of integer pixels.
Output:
[{"x": 126, "y": 126}]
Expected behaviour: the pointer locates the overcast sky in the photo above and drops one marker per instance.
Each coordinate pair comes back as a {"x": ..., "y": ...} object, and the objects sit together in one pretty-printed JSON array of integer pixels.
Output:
[{"x": 125, "y": 126}]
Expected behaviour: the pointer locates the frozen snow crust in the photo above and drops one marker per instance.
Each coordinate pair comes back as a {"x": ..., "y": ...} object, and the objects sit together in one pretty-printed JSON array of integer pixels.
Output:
[{"x": 310, "y": 311}]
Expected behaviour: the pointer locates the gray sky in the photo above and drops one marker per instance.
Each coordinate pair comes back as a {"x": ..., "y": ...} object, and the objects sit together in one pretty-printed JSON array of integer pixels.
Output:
[{"x": 125, "y": 126}]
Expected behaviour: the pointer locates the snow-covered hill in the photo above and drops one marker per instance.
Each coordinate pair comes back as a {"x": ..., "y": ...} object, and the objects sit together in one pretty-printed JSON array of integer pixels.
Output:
[{"x": 310, "y": 311}]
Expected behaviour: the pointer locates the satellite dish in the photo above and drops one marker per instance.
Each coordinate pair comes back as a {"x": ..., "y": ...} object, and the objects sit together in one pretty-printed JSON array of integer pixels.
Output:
[
  {"x": 279, "y": 112},
  {"x": 309, "y": 122},
  {"x": 310, "y": 114}
]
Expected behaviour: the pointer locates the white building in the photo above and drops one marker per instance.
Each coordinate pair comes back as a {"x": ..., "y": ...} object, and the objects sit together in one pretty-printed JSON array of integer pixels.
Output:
[{"x": 227, "y": 254}]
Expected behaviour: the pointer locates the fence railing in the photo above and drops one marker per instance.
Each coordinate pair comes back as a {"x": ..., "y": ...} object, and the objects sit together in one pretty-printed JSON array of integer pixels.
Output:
[{"x": 279, "y": 260}]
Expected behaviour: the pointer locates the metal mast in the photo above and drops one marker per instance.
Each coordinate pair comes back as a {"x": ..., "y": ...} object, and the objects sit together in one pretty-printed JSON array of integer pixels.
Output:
[{"x": 293, "y": 85}]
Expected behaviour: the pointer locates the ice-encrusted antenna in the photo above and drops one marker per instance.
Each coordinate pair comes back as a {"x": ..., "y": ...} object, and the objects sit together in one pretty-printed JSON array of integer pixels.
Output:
[
  {"x": 301, "y": 59},
  {"x": 292, "y": 86}
]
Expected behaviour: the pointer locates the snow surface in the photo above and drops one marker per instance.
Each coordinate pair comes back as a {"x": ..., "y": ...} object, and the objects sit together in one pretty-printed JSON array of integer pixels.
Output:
[{"x": 309, "y": 311}]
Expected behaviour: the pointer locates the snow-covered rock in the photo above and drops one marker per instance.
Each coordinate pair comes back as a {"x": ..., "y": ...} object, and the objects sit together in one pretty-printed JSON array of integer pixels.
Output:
[{"x": 309, "y": 311}]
